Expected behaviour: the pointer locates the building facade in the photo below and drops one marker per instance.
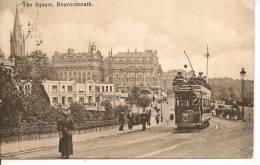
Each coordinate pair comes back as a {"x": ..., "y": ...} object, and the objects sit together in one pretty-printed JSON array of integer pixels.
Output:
[
  {"x": 79, "y": 66},
  {"x": 87, "y": 93},
  {"x": 17, "y": 40},
  {"x": 128, "y": 69}
]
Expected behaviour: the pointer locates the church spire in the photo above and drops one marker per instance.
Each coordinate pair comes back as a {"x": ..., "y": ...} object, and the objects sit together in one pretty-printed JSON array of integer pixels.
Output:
[
  {"x": 17, "y": 39},
  {"x": 17, "y": 25}
]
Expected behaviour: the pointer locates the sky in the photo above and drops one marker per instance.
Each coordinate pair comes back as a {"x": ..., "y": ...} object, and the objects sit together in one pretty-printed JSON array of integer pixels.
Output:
[{"x": 168, "y": 26}]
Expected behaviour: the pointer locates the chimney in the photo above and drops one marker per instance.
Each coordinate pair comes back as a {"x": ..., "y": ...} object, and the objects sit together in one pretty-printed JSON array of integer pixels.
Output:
[{"x": 70, "y": 51}]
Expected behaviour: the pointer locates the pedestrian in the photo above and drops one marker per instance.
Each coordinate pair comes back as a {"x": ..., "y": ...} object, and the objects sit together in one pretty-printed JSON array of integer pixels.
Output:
[
  {"x": 144, "y": 118},
  {"x": 157, "y": 118},
  {"x": 121, "y": 121},
  {"x": 242, "y": 115},
  {"x": 149, "y": 114},
  {"x": 238, "y": 114},
  {"x": 172, "y": 115},
  {"x": 130, "y": 120},
  {"x": 65, "y": 125}
]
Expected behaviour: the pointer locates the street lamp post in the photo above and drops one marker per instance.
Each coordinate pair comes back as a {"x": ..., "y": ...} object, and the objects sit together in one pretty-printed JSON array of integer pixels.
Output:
[
  {"x": 161, "y": 111},
  {"x": 242, "y": 75}
]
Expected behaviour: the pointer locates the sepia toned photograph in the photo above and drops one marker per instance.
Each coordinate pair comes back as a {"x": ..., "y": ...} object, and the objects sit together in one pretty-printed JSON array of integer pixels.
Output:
[{"x": 127, "y": 79}]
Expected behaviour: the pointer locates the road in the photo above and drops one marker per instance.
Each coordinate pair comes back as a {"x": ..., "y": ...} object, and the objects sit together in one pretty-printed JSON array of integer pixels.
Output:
[{"x": 222, "y": 139}]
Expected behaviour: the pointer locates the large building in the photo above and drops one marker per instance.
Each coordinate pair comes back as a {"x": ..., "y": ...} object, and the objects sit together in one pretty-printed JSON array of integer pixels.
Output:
[
  {"x": 17, "y": 40},
  {"x": 79, "y": 66},
  {"x": 127, "y": 69}
]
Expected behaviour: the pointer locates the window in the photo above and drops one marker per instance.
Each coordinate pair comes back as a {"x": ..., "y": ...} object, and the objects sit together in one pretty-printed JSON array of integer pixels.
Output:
[
  {"x": 55, "y": 100},
  {"x": 27, "y": 88},
  {"x": 54, "y": 88},
  {"x": 81, "y": 89},
  {"x": 63, "y": 100},
  {"x": 81, "y": 99},
  {"x": 97, "y": 89},
  {"x": 70, "y": 100},
  {"x": 79, "y": 77},
  {"x": 89, "y": 88},
  {"x": 63, "y": 88},
  {"x": 111, "y": 88},
  {"x": 60, "y": 75},
  {"x": 69, "y": 88},
  {"x": 66, "y": 76},
  {"x": 106, "y": 88}
]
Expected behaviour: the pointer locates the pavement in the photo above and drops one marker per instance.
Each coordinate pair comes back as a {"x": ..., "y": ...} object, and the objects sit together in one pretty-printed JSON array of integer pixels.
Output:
[{"x": 27, "y": 146}]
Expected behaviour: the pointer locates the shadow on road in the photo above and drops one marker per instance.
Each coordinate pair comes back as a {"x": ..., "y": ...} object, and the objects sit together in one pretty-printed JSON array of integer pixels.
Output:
[{"x": 187, "y": 130}]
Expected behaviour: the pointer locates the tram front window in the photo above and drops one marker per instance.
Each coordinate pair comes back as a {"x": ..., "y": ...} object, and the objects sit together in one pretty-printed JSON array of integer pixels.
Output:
[{"x": 182, "y": 104}]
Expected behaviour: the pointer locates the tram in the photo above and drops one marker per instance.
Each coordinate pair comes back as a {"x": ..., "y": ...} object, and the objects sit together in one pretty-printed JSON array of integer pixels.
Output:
[{"x": 192, "y": 99}]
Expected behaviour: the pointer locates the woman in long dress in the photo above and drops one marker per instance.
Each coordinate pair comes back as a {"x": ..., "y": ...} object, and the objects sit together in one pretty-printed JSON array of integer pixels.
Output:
[
  {"x": 130, "y": 120},
  {"x": 65, "y": 126}
]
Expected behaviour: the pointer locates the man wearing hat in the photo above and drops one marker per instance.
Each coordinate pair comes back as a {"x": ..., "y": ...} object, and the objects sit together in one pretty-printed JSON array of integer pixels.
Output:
[
  {"x": 121, "y": 121},
  {"x": 130, "y": 120}
]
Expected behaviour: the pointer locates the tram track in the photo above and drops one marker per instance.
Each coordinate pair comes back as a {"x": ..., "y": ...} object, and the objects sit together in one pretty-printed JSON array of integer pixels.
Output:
[{"x": 205, "y": 133}]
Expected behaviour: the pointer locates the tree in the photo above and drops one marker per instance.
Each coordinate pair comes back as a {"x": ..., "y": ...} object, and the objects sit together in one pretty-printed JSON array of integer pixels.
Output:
[
  {"x": 144, "y": 102},
  {"x": 133, "y": 96},
  {"x": 23, "y": 69},
  {"x": 108, "y": 109},
  {"x": 11, "y": 106},
  {"x": 77, "y": 111},
  {"x": 229, "y": 90},
  {"x": 35, "y": 66},
  {"x": 40, "y": 64}
]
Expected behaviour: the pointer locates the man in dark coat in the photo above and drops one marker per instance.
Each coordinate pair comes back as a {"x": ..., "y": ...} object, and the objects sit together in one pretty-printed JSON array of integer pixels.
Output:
[
  {"x": 144, "y": 118},
  {"x": 121, "y": 121},
  {"x": 65, "y": 126},
  {"x": 130, "y": 120},
  {"x": 157, "y": 118},
  {"x": 149, "y": 114}
]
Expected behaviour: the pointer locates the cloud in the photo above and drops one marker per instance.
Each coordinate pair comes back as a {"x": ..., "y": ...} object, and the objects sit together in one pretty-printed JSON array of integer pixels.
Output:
[
  {"x": 183, "y": 25},
  {"x": 249, "y": 4}
]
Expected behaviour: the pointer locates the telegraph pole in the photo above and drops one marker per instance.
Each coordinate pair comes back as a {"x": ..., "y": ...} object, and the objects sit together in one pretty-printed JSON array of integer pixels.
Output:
[{"x": 207, "y": 66}]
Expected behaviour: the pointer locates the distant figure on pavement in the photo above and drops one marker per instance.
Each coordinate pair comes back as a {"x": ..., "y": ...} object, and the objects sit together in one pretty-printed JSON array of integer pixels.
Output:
[
  {"x": 157, "y": 118},
  {"x": 121, "y": 121},
  {"x": 65, "y": 143},
  {"x": 130, "y": 120},
  {"x": 172, "y": 115},
  {"x": 144, "y": 118},
  {"x": 149, "y": 114}
]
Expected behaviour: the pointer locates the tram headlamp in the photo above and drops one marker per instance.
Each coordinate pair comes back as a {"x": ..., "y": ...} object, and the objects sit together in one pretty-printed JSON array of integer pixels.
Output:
[{"x": 185, "y": 117}]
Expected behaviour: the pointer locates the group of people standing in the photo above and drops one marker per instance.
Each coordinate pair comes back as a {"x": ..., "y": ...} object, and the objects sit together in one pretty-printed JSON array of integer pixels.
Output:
[
  {"x": 233, "y": 113},
  {"x": 65, "y": 125},
  {"x": 144, "y": 117}
]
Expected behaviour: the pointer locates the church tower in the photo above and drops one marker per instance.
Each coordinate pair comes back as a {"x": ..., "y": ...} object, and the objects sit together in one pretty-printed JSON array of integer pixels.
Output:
[{"x": 17, "y": 40}]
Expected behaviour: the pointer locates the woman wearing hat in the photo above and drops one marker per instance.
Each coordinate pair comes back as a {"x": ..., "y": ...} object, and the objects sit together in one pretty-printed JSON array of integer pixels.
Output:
[{"x": 65, "y": 125}]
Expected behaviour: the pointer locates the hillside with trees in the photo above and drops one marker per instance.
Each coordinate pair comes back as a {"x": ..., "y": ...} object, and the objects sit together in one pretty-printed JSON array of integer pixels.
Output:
[{"x": 229, "y": 89}]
